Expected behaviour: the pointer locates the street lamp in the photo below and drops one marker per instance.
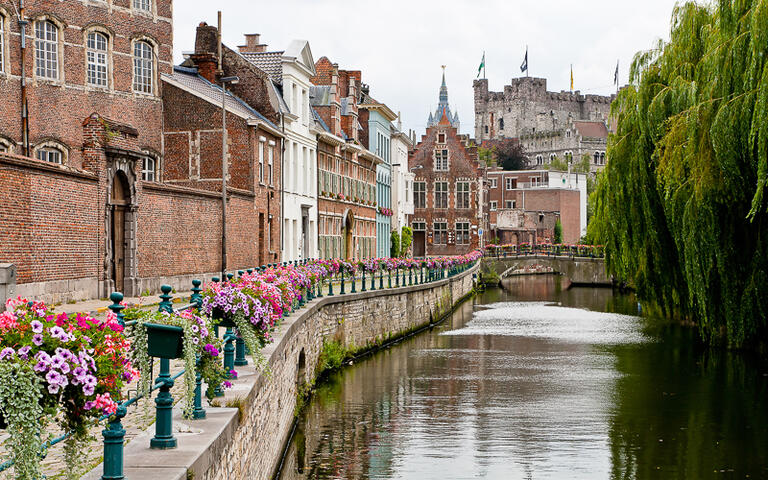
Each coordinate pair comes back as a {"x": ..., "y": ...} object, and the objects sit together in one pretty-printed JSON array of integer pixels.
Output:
[{"x": 224, "y": 172}]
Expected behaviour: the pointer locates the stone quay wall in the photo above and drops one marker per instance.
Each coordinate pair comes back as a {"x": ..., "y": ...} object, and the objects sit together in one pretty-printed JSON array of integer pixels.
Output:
[{"x": 247, "y": 440}]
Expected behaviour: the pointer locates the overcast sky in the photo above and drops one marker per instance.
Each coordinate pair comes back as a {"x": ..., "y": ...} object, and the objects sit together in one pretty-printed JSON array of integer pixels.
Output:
[{"x": 400, "y": 44}]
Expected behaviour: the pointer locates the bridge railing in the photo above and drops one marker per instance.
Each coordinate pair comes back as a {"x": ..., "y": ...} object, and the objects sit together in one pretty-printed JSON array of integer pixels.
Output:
[{"x": 570, "y": 250}]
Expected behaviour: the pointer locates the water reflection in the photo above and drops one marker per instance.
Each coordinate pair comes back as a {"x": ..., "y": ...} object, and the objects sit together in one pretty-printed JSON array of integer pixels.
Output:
[{"x": 536, "y": 381}]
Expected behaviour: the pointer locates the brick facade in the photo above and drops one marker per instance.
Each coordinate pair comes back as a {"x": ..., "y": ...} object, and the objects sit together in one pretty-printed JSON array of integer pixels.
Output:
[{"x": 445, "y": 223}]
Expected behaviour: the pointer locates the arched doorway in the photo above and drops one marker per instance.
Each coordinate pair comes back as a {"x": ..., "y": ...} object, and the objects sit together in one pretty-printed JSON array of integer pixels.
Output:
[
  {"x": 120, "y": 200},
  {"x": 348, "y": 229}
]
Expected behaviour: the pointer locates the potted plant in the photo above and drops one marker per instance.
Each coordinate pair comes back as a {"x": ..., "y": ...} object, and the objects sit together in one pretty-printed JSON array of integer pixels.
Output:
[{"x": 70, "y": 368}]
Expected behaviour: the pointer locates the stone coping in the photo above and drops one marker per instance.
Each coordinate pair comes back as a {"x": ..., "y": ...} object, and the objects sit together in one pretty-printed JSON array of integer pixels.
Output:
[{"x": 199, "y": 441}]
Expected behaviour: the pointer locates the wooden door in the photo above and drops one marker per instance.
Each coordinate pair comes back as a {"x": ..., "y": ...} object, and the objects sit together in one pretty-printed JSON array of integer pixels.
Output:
[
  {"x": 120, "y": 201},
  {"x": 419, "y": 243}
]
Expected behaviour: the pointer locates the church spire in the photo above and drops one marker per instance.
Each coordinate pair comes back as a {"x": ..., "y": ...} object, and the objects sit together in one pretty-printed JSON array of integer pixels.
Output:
[{"x": 443, "y": 108}]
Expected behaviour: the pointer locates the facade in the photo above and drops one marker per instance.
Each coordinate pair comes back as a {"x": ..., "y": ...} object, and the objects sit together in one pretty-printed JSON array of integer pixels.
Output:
[
  {"x": 290, "y": 72},
  {"x": 566, "y": 125},
  {"x": 376, "y": 124},
  {"x": 86, "y": 208},
  {"x": 447, "y": 189},
  {"x": 402, "y": 179},
  {"x": 532, "y": 200},
  {"x": 346, "y": 170}
]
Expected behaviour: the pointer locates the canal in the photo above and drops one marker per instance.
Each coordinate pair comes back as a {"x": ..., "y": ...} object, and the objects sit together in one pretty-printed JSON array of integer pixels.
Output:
[{"x": 535, "y": 381}]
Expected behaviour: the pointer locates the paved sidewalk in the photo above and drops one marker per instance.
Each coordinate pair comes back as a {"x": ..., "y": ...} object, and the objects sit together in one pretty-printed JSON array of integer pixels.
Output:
[{"x": 100, "y": 307}]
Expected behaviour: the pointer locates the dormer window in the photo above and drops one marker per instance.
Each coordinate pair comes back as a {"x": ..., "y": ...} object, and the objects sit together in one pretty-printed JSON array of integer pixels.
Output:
[{"x": 49, "y": 154}]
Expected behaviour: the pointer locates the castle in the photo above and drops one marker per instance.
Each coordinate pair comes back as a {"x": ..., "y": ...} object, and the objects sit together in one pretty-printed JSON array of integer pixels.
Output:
[{"x": 549, "y": 125}]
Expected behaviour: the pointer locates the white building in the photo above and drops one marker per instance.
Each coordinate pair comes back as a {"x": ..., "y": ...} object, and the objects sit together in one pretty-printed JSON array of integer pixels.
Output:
[
  {"x": 290, "y": 71},
  {"x": 402, "y": 179}
]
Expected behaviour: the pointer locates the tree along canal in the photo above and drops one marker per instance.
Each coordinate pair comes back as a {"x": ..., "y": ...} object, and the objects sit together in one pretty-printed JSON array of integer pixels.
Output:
[{"x": 536, "y": 381}]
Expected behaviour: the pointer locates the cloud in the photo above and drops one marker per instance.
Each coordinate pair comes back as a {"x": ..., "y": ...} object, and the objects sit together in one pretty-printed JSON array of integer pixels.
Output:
[{"x": 400, "y": 45}]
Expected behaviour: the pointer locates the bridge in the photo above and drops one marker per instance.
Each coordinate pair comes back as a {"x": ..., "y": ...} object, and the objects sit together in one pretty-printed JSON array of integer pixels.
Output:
[{"x": 580, "y": 270}]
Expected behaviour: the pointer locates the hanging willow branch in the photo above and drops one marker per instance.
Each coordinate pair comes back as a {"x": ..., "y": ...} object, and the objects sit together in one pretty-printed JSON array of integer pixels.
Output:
[{"x": 681, "y": 205}]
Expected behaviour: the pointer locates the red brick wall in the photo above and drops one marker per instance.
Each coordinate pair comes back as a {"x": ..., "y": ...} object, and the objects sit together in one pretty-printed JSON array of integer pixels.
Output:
[
  {"x": 46, "y": 223},
  {"x": 57, "y": 109}
]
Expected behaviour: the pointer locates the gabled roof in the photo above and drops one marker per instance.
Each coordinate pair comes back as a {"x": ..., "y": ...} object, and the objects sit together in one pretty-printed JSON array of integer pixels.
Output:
[
  {"x": 270, "y": 62},
  {"x": 319, "y": 120},
  {"x": 188, "y": 80},
  {"x": 299, "y": 50},
  {"x": 591, "y": 129}
]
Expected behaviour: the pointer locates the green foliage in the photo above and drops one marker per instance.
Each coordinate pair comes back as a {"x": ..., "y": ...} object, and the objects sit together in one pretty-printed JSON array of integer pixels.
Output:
[
  {"x": 581, "y": 166},
  {"x": 487, "y": 155},
  {"x": 511, "y": 155},
  {"x": 558, "y": 232},
  {"x": 680, "y": 205},
  {"x": 331, "y": 357},
  {"x": 394, "y": 244},
  {"x": 406, "y": 239},
  {"x": 20, "y": 395}
]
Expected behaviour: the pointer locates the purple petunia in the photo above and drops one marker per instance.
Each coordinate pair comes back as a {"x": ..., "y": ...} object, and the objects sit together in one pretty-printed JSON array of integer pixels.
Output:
[
  {"x": 37, "y": 339},
  {"x": 24, "y": 352},
  {"x": 37, "y": 326},
  {"x": 88, "y": 390},
  {"x": 7, "y": 353}
]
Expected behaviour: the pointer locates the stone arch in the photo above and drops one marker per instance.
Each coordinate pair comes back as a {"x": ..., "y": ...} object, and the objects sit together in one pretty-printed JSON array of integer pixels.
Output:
[{"x": 347, "y": 230}]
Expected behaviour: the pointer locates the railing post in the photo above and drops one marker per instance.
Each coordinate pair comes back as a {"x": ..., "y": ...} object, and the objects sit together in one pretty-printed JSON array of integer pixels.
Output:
[
  {"x": 229, "y": 351},
  {"x": 230, "y": 276},
  {"x": 240, "y": 359},
  {"x": 199, "y": 412},
  {"x": 116, "y": 298},
  {"x": 410, "y": 276},
  {"x": 381, "y": 278},
  {"x": 164, "y": 438},
  {"x": 196, "y": 297},
  {"x": 364, "y": 288},
  {"x": 330, "y": 285},
  {"x": 373, "y": 280},
  {"x": 114, "y": 441},
  {"x": 354, "y": 282},
  {"x": 341, "y": 272},
  {"x": 166, "y": 305},
  {"x": 397, "y": 277}
]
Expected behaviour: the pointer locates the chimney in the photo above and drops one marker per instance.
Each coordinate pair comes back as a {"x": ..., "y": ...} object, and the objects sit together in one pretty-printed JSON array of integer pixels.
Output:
[
  {"x": 252, "y": 44},
  {"x": 205, "y": 57}
]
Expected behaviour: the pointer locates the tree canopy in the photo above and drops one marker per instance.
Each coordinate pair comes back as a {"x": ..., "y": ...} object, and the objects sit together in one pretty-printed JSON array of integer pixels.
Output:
[
  {"x": 510, "y": 154},
  {"x": 681, "y": 204}
]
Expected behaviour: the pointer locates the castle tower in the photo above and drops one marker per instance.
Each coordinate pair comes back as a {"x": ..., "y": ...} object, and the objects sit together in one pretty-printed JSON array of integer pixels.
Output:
[{"x": 443, "y": 108}]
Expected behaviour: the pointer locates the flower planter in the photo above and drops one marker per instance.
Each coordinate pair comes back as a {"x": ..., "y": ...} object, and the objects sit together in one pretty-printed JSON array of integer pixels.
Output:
[
  {"x": 222, "y": 318},
  {"x": 164, "y": 341}
]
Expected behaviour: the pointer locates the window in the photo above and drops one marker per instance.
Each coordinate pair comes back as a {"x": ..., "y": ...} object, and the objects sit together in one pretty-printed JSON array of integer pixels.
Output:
[
  {"x": 494, "y": 182},
  {"x": 49, "y": 154},
  {"x": 144, "y": 5},
  {"x": 535, "y": 181},
  {"x": 510, "y": 204},
  {"x": 552, "y": 157},
  {"x": 148, "y": 169},
  {"x": 46, "y": 50},
  {"x": 440, "y": 138},
  {"x": 419, "y": 226},
  {"x": 2, "y": 44},
  {"x": 419, "y": 194},
  {"x": 96, "y": 56},
  {"x": 262, "y": 146},
  {"x": 501, "y": 124},
  {"x": 539, "y": 160},
  {"x": 462, "y": 195},
  {"x": 568, "y": 157},
  {"x": 602, "y": 158},
  {"x": 511, "y": 183},
  {"x": 494, "y": 205},
  {"x": 567, "y": 134},
  {"x": 441, "y": 194},
  {"x": 462, "y": 233},
  {"x": 486, "y": 129},
  {"x": 441, "y": 234},
  {"x": 143, "y": 68},
  {"x": 441, "y": 160}
]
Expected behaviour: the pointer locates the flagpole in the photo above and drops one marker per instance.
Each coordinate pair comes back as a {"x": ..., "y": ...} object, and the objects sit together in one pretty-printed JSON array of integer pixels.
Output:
[
  {"x": 484, "y": 65},
  {"x": 526, "y": 62}
]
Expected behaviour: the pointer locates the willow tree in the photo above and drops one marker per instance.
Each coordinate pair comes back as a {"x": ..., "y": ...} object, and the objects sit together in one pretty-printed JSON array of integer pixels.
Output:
[{"x": 681, "y": 205}]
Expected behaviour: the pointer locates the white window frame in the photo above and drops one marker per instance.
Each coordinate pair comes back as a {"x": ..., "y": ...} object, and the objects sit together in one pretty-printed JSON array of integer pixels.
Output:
[
  {"x": 444, "y": 232},
  {"x": 494, "y": 182},
  {"x": 508, "y": 183},
  {"x": 2, "y": 43},
  {"x": 143, "y": 67},
  {"x": 271, "y": 162},
  {"x": 441, "y": 205},
  {"x": 494, "y": 205},
  {"x": 149, "y": 174},
  {"x": 262, "y": 146},
  {"x": 48, "y": 66},
  {"x": 422, "y": 193},
  {"x": 97, "y": 60},
  {"x": 464, "y": 238},
  {"x": 461, "y": 193},
  {"x": 441, "y": 164},
  {"x": 142, "y": 5},
  {"x": 50, "y": 154}
]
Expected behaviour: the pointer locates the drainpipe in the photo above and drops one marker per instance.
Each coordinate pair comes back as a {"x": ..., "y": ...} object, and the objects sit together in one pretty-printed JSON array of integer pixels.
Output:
[
  {"x": 282, "y": 187},
  {"x": 24, "y": 110}
]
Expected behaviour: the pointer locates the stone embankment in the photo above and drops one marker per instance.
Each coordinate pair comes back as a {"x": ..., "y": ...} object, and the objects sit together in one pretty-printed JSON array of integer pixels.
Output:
[{"x": 245, "y": 438}]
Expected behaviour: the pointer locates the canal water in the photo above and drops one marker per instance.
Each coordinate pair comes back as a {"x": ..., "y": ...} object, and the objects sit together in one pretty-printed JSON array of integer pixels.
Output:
[{"x": 535, "y": 381}]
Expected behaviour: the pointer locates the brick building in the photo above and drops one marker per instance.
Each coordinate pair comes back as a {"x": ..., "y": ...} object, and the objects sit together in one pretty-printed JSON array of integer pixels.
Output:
[
  {"x": 447, "y": 192},
  {"x": 346, "y": 169},
  {"x": 523, "y": 205},
  {"x": 85, "y": 206}
]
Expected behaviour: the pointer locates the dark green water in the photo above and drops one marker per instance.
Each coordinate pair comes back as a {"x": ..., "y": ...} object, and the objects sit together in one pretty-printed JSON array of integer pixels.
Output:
[{"x": 537, "y": 382}]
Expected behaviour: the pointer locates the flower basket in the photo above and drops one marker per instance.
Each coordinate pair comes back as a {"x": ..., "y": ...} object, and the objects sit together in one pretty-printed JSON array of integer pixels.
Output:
[
  {"x": 164, "y": 341},
  {"x": 222, "y": 319}
]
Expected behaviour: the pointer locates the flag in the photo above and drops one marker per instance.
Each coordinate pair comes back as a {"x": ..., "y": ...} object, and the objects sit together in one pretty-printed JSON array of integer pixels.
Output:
[
  {"x": 571, "y": 77},
  {"x": 482, "y": 66},
  {"x": 616, "y": 75},
  {"x": 524, "y": 65}
]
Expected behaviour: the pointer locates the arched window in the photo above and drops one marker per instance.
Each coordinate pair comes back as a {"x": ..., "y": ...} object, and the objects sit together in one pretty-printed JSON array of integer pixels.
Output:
[
  {"x": 539, "y": 160},
  {"x": 46, "y": 50},
  {"x": 567, "y": 134},
  {"x": 51, "y": 152},
  {"x": 143, "y": 68},
  {"x": 149, "y": 169},
  {"x": 5, "y": 146},
  {"x": 602, "y": 158},
  {"x": 97, "y": 58},
  {"x": 597, "y": 158},
  {"x": 568, "y": 157},
  {"x": 501, "y": 124},
  {"x": 552, "y": 157}
]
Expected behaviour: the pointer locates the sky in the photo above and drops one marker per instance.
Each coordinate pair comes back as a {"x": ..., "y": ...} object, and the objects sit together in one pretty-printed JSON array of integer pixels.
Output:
[{"x": 400, "y": 45}]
